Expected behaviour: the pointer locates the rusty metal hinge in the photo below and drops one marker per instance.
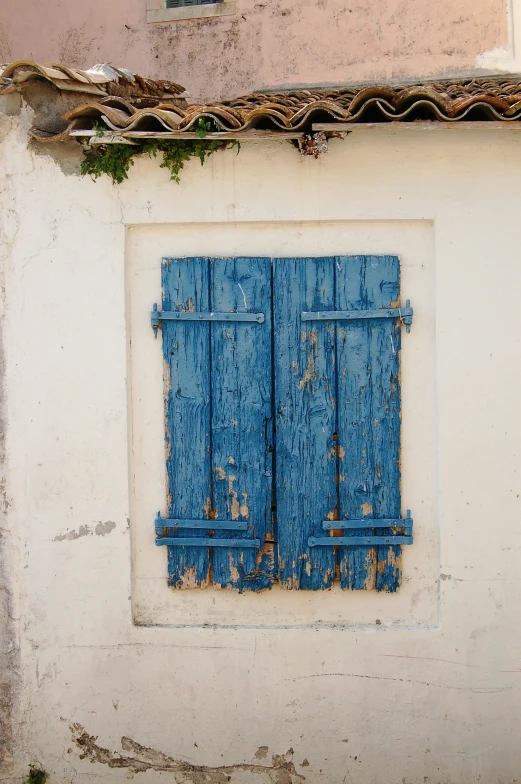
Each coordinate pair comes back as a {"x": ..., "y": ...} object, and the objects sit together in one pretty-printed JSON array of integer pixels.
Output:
[
  {"x": 365, "y": 522},
  {"x": 405, "y": 314},
  {"x": 208, "y": 542},
  {"x": 183, "y": 315},
  {"x": 165, "y": 523},
  {"x": 213, "y": 525}
]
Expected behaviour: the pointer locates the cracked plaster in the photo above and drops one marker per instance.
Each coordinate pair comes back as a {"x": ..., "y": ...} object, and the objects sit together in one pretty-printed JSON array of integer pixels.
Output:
[
  {"x": 265, "y": 44},
  {"x": 358, "y": 703}
]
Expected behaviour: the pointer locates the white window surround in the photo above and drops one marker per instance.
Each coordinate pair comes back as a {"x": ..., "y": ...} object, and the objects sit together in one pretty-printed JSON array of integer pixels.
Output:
[
  {"x": 153, "y": 602},
  {"x": 506, "y": 58},
  {"x": 156, "y": 11}
]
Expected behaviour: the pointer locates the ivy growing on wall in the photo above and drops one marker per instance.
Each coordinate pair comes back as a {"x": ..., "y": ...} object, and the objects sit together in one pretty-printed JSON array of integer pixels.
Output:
[
  {"x": 36, "y": 775},
  {"x": 115, "y": 160}
]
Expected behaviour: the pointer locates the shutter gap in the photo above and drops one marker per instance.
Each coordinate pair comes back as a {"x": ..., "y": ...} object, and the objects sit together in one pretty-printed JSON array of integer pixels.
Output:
[
  {"x": 274, "y": 521},
  {"x": 212, "y": 514},
  {"x": 336, "y": 510}
]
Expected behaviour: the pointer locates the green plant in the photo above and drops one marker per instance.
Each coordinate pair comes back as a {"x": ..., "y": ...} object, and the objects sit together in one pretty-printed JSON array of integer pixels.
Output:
[
  {"x": 36, "y": 775},
  {"x": 203, "y": 126},
  {"x": 98, "y": 127},
  {"x": 115, "y": 160},
  {"x": 112, "y": 159}
]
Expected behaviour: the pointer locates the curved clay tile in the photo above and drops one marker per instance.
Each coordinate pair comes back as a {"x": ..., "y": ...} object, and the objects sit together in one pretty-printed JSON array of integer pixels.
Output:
[
  {"x": 129, "y": 102},
  {"x": 97, "y": 110},
  {"x": 219, "y": 113}
]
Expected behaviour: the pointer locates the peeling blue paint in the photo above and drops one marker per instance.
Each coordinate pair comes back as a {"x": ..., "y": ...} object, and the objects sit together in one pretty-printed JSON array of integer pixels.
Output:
[{"x": 284, "y": 424}]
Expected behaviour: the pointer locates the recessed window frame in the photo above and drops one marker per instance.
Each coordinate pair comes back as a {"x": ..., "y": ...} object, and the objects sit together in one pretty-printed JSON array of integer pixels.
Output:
[
  {"x": 279, "y": 411},
  {"x": 188, "y": 3},
  {"x": 157, "y": 11}
]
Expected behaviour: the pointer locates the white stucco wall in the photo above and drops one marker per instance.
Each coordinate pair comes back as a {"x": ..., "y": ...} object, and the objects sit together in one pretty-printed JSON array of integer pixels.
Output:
[{"x": 422, "y": 686}]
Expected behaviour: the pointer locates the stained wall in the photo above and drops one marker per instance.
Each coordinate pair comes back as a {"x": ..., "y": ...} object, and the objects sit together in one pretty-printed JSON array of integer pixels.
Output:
[
  {"x": 118, "y": 675},
  {"x": 267, "y": 43}
]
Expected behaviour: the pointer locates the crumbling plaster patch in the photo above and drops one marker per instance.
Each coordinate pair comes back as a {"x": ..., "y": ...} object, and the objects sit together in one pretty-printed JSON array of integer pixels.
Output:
[
  {"x": 66, "y": 155},
  {"x": 10, "y": 676},
  {"x": 141, "y": 759},
  {"x": 101, "y": 529}
]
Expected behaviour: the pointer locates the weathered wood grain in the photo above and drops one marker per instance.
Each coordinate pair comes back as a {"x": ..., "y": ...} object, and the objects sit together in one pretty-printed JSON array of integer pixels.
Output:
[
  {"x": 186, "y": 352},
  {"x": 368, "y": 415},
  {"x": 241, "y": 417},
  {"x": 305, "y": 420},
  {"x": 332, "y": 389},
  {"x": 415, "y": 125}
]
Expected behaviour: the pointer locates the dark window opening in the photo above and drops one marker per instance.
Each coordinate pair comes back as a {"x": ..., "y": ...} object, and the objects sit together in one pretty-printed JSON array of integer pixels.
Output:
[{"x": 186, "y": 3}]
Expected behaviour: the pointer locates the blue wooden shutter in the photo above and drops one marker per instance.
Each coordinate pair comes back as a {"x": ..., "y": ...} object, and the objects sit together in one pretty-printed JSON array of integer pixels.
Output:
[
  {"x": 186, "y": 352},
  {"x": 218, "y": 415},
  {"x": 368, "y": 415},
  {"x": 305, "y": 400},
  {"x": 338, "y": 419},
  {"x": 319, "y": 393},
  {"x": 241, "y": 419}
]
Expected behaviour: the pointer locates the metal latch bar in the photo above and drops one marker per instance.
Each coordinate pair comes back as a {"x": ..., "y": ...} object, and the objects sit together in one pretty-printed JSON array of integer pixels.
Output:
[
  {"x": 205, "y": 525},
  {"x": 370, "y": 522},
  {"x": 365, "y": 522},
  {"x": 206, "y": 542},
  {"x": 358, "y": 540},
  {"x": 405, "y": 314},
  {"x": 183, "y": 315}
]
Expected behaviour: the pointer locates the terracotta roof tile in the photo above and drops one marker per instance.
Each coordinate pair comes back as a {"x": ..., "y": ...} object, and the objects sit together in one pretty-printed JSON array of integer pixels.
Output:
[
  {"x": 99, "y": 80},
  {"x": 481, "y": 99},
  {"x": 127, "y": 103}
]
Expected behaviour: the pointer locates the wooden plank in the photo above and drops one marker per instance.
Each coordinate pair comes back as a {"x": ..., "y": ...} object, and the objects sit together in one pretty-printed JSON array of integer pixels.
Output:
[
  {"x": 111, "y": 138},
  {"x": 368, "y": 415},
  {"x": 241, "y": 419},
  {"x": 186, "y": 352},
  {"x": 81, "y": 132},
  {"x": 252, "y": 135},
  {"x": 332, "y": 127},
  {"x": 305, "y": 420},
  {"x": 421, "y": 125},
  {"x": 245, "y": 136}
]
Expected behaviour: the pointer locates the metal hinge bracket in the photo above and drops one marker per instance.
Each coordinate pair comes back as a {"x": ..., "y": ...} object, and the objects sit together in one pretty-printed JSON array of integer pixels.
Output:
[
  {"x": 206, "y": 525},
  {"x": 405, "y": 314},
  {"x": 208, "y": 542},
  {"x": 183, "y": 315},
  {"x": 163, "y": 524},
  {"x": 366, "y": 522}
]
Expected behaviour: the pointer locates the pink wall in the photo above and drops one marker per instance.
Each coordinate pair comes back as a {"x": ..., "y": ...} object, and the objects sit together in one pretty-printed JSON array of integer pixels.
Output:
[{"x": 267, "y": 43}]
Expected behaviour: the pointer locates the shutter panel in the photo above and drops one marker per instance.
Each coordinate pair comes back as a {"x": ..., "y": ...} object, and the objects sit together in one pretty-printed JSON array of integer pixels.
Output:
[
  {"x": 241, "y": 418},
  {"x": 330, "y": 384},
  {"x": 186, "y": 352},
  {"x": 338, "y": 419},
  {"x": 305, "y": 420},
  {"x": 218, "y": 417},
  {"x": 368, "y": 415}
]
